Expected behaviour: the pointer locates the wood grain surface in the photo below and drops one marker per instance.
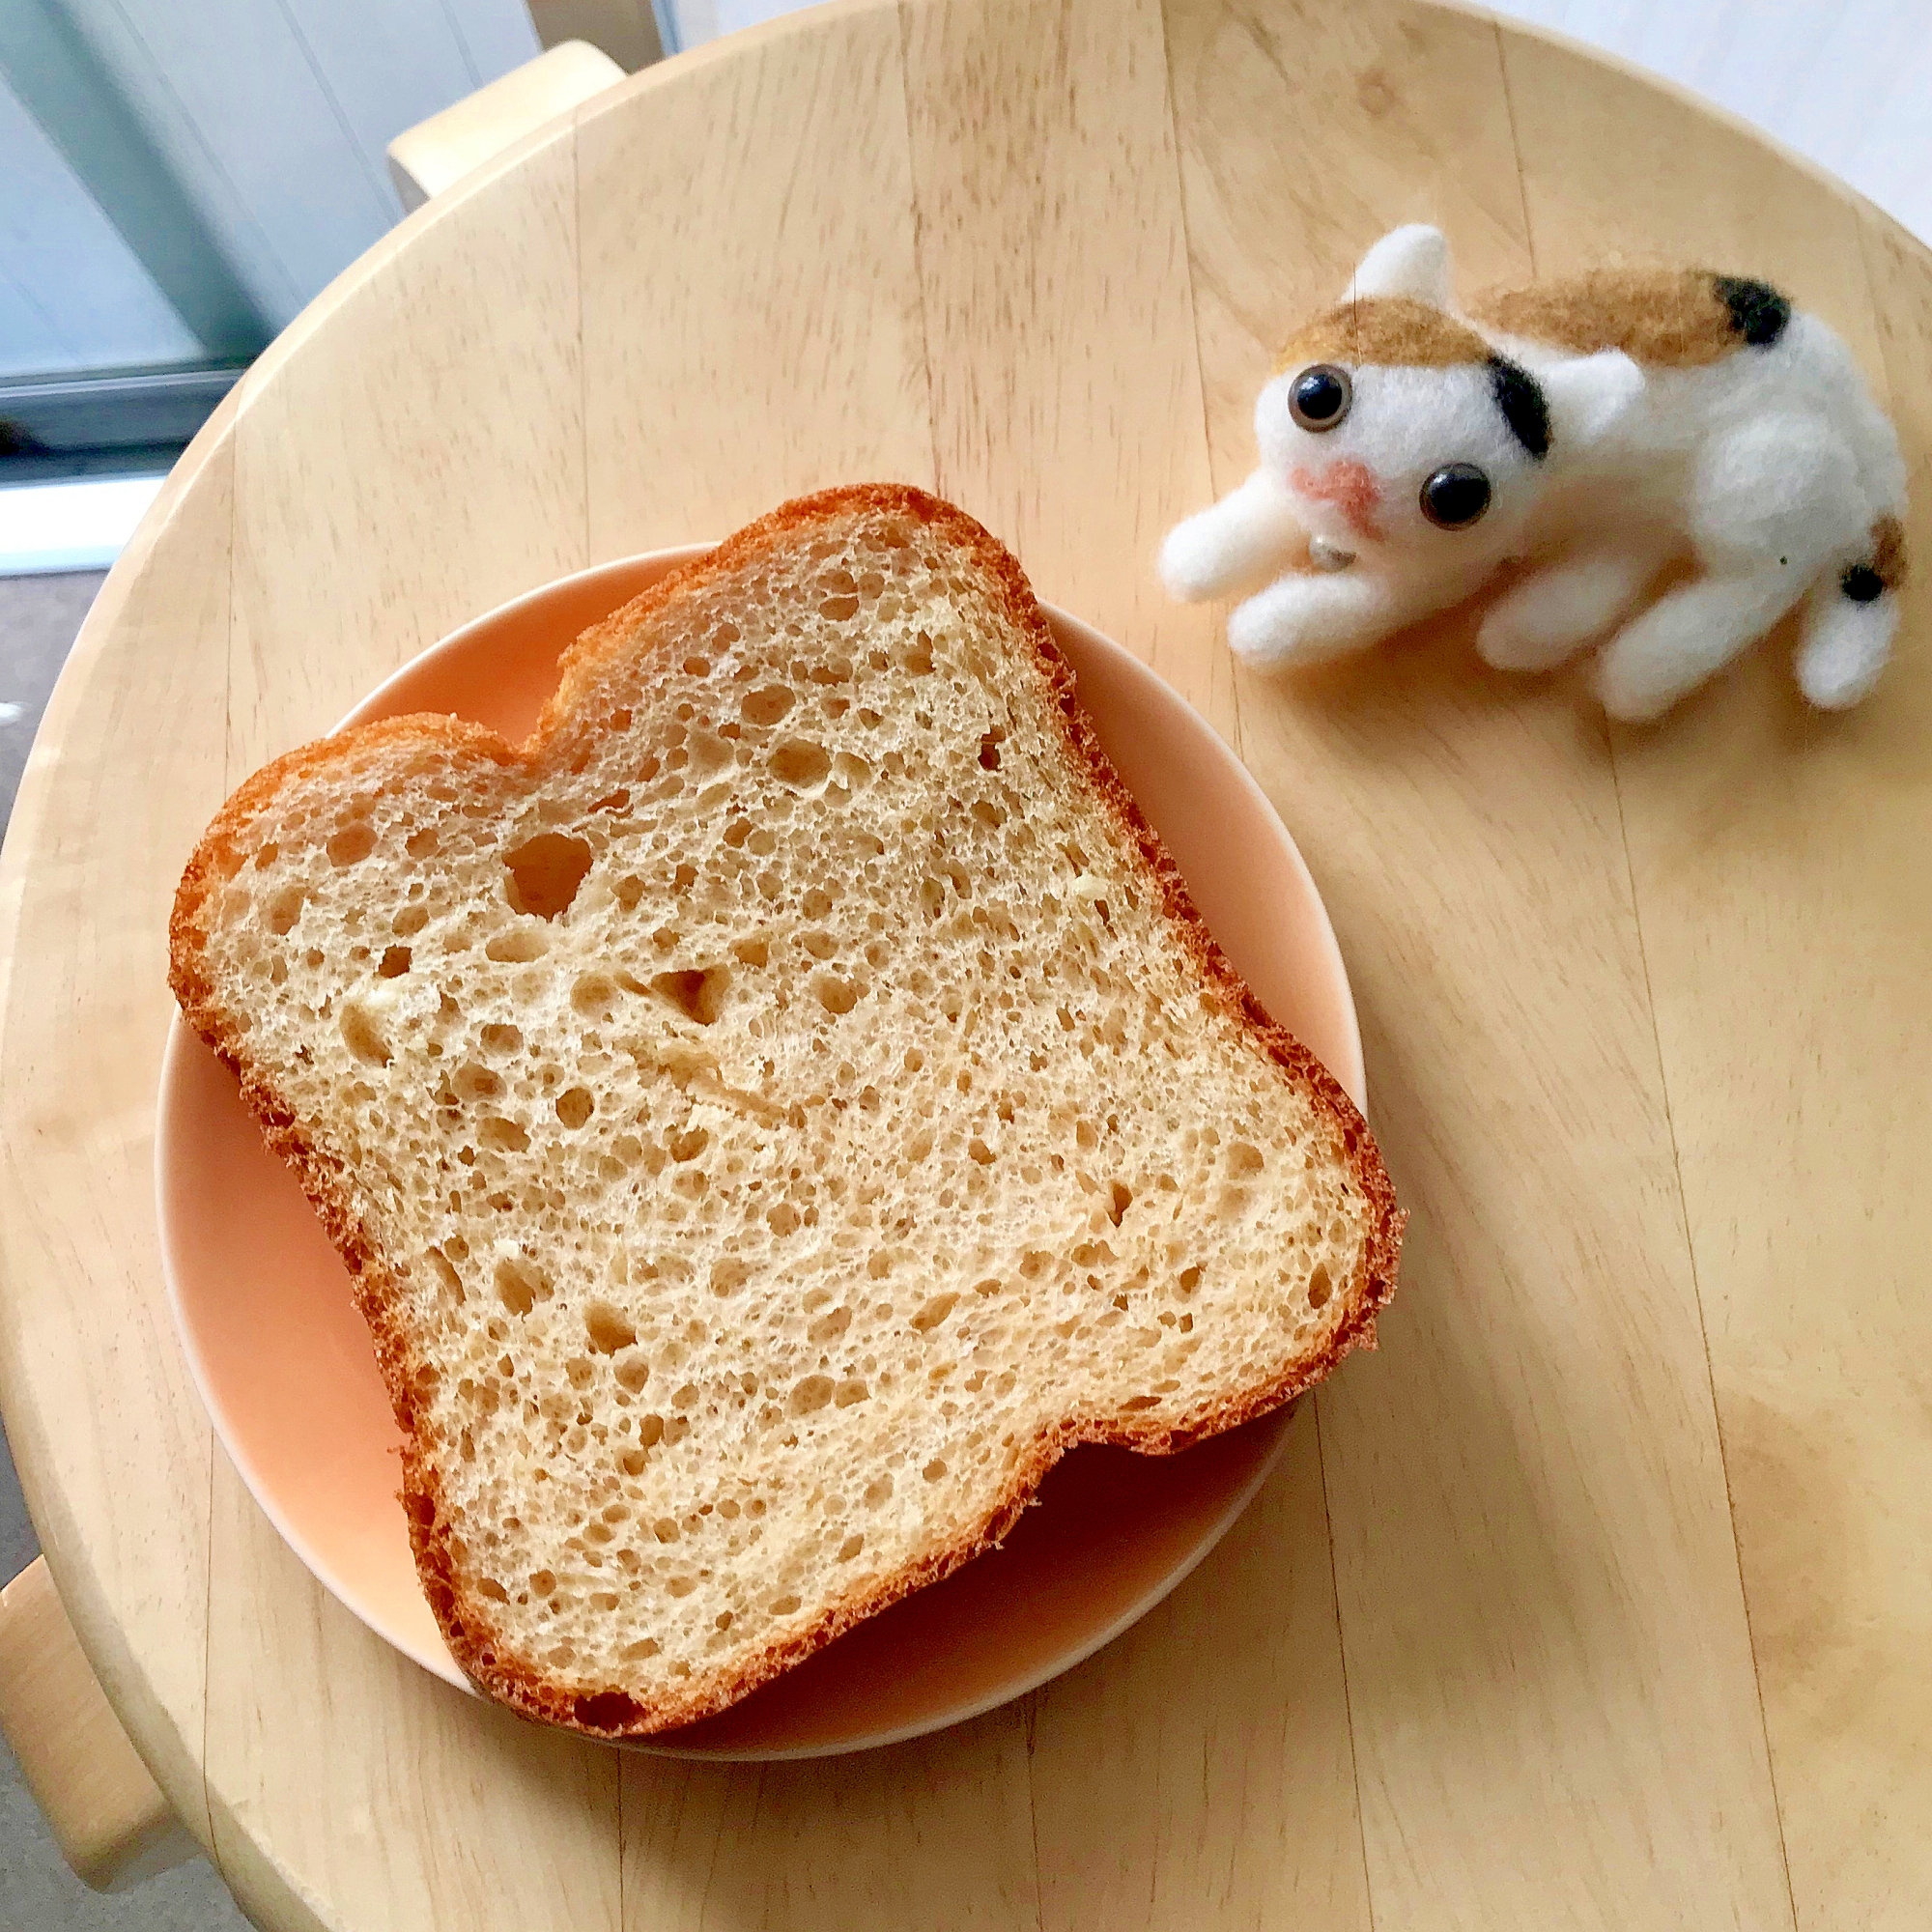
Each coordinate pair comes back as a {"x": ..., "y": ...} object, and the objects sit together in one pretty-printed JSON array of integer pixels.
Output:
[{"x": 1597, "y": 1597}]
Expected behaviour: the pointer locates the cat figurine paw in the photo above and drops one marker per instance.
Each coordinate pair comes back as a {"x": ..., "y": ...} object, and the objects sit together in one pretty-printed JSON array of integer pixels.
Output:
[{"x": 1598, "y": 428}]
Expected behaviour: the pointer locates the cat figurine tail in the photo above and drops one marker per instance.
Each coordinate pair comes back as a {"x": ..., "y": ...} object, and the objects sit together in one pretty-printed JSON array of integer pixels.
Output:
[{"x": 1600, "y": 427}]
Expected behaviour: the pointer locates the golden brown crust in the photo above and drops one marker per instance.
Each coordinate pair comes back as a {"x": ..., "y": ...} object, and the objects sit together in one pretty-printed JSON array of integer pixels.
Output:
[
  {"x": 1664, "y": 318},
  {"x": 1391, "y": 331},
  {"x": 464, "y": 1625}
]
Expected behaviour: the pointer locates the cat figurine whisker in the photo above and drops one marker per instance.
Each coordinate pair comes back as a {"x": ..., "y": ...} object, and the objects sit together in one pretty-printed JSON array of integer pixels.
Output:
[{"x": 1597, "y": 427}]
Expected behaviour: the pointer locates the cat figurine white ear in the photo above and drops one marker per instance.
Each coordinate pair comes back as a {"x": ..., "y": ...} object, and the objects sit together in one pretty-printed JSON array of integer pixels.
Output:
[
  {"x": 1412, "y": 261},
  {"x": 1408, "y": 449}
]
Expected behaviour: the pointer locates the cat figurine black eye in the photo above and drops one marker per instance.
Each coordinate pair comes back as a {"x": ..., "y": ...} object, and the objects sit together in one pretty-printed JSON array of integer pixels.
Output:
[
  {"x": 1456, "y": 496},
  {"x": 1321, "y": 397}
]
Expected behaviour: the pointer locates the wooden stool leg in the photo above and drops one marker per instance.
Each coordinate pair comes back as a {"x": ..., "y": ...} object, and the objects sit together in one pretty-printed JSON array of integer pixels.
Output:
[
  {"x": 108, "y": 1816},
  {"x": 428, "y": 157}
]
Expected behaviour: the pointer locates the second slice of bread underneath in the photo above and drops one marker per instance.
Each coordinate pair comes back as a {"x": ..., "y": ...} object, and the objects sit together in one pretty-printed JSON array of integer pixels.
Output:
[{"x": 773, "y": 1114}]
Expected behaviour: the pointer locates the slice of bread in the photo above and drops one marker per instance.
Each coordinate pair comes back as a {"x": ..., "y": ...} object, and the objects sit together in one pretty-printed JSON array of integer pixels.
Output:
[{"x": 773, "y": 1114}]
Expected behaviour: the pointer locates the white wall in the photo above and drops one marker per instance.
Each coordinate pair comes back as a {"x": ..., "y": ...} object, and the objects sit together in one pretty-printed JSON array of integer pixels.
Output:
[{"x": 1846, "y": 82}]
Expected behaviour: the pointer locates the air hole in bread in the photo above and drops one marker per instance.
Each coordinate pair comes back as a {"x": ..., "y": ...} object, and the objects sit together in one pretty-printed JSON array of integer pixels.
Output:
[
  {"x": 351, "y": 844},
  {"x": 362, "y": 1033},
  {"x": 767, "y": 705},
  {"x": 517, "y": 946},
  {"x": 284, "y": 909},
  {"x": 446, "y": 1276},
  {"x": 1320, "y": 1287},
  {"x": 698, "y": 994},
  {"x": 849, "y": 771},
  {"x": 809, "y": 1394},
  {"x": 608, "y": 1329},
  {"x": 473, "y": 1082},
  {"x": 709, "y": 752},
  {"x": 520, "y": 1284},
  {"x": 594, "y": 995},
  {"x": 545, "y": 873},
  {"x": 935, "y": 1311},
  {"x": 828, "y": 1327},
  {"x": 574, "y": 1106},
  {"x": 833, "y": 994},
  {"x": 606, "y": 1711},
  {"x": 801, "y": 763},
  {"x": 395, "y": 962}
]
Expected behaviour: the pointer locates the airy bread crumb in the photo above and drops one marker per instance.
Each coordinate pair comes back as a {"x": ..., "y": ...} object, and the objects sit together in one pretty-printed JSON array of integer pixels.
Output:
[{"x": 773, "y": 1114}]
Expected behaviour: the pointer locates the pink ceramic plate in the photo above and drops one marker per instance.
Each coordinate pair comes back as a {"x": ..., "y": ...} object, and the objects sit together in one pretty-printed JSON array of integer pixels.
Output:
[{"x": 285, "y": 1366}]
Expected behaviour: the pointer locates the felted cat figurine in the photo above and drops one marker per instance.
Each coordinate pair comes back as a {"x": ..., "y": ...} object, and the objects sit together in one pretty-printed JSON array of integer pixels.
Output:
[{"x": 1599, "y": 427}]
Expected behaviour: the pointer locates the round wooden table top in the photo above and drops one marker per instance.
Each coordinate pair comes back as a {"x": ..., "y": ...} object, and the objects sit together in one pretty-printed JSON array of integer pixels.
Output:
[{"x": 1599, "y": 1596}]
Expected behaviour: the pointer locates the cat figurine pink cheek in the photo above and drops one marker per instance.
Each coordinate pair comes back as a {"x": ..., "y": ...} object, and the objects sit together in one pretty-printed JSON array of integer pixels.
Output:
[{"x": 1598, "y": 428}]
